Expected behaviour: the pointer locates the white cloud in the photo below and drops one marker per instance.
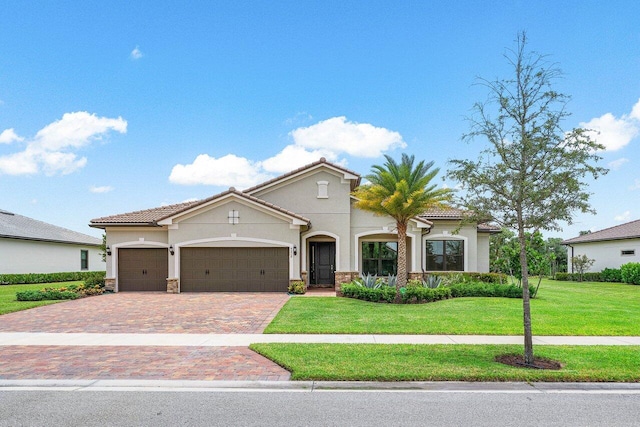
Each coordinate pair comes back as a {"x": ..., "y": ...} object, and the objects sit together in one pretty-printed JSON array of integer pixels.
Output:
[
  {"x": 635, "y": 186},
  {"x": 625, "y": 216},
  {"x": 8, "y": 136},
  {"x": 617, "y": 164},
  {"x": 101, "y": 189},
  {"x": 51, "y": 151},
  {"x": 294, "y": 156},
  {"x": 330, "y": 139},
  {"x": 136, "y": 53},
  {"x": 226, "y": 171},
  {"x": 615, "y": 133},
  {"x": 338, "y": 135}
]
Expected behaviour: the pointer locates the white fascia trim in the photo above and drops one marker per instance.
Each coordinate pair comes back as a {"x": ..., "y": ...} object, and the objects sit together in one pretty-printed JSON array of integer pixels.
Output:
[
  {"x": 303, "y": 250},
  {"x": 343, "y": 175},
  {"x": 177, "y": 246},
  {"x": 448, "y": 237},
  {"x": 132, "y": 244}
]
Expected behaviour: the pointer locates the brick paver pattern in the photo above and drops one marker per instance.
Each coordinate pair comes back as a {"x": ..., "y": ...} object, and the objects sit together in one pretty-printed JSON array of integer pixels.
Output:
[
  {"x": 137, "y": 363},
  {"x": 152, "y": 312}
]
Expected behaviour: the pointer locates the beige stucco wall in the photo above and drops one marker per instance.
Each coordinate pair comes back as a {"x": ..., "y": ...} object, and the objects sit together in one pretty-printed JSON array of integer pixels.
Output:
[
  {"x": 27, "y": 256},
  {"x": 483, "y": 253},
  {"x": 329, "y": 216},
  {"x": 606, "y": 254}
]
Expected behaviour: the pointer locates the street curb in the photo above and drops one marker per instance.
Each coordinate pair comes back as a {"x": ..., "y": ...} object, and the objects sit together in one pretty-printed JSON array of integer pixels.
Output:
[{"x": 318, "y": 386}]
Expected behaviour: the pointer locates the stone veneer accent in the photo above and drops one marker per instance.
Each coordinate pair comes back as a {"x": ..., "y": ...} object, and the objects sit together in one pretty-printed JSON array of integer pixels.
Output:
[
  {"x": 110, "y": 284},
  {"x": 344, "y": 277},
  {"x": 414, "y": 276},
  {"x": 172, "y": 285},
  {"x": 305, "y": 279}
]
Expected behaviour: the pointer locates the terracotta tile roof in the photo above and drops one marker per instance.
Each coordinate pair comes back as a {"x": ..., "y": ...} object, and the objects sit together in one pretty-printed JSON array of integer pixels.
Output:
[
  {"x": 301, "y": 169},
  {"x": 152, "y": 216},
  {"x": 16, "y": 226},
  {"x": 456, "y": 214},
  {"x": 629, "y": 230}
]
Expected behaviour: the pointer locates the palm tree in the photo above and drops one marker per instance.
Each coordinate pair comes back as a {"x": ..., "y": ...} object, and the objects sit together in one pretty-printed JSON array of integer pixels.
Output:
[{"x": 401, "y": 191}]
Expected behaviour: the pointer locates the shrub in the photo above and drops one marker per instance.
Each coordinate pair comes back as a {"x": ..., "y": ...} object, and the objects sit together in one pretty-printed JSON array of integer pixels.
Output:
[
  {"x": 46, "y": 294},
  {"x": 356, "y": 290},
  {"x": 479, "y": 289},
  {"x": 419, "y": 294},
  {"x": 31, "y": 278},
  {"x": 461, "y": 276},
  {"x": 297, "y": 287},
  {"x": 575, "y": 277},
  {"x": 630, "y": 273},
  {"x": 611, "y": 275}
]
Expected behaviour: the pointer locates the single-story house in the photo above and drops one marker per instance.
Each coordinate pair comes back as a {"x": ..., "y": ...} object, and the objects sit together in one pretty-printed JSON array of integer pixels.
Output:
[
  {"x": 31, "y": 246},
  {"x": 610, "y": 248},
  {"x": 299, "y": 226}
]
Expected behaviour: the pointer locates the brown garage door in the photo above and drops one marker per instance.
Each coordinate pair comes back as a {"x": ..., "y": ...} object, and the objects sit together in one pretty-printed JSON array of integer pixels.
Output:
[
  {"x": 234, "y": 269},
  {"x": 142, "y": 269}
]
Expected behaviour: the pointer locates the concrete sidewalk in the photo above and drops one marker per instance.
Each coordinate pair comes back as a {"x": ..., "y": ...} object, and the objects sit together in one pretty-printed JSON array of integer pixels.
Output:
[{"x": 243, "y": 340}]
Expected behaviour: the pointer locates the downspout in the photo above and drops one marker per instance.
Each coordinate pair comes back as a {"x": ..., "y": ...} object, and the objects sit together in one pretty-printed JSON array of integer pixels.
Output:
[{"x": 571, "y": 259}]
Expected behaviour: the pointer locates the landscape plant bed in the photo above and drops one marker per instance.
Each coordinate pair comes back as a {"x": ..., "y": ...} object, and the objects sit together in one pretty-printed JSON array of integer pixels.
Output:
[
  {"x": 9, "y": 304},
  {"x": 560, "y": 308},
  {"x": 380, "y": 362}
]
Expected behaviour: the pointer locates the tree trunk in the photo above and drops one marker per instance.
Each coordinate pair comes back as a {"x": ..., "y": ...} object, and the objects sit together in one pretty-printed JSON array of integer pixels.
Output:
[
  {"x": 401, "y": 281},
  {"x": 526, "y": 306}
]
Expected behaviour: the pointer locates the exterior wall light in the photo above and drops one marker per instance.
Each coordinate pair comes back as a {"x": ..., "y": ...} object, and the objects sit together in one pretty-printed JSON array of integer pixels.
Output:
[
  {"x": 295, "y": 250},
  {"x": 109, "y": 250},
  {"x": 171, "y": 251}
]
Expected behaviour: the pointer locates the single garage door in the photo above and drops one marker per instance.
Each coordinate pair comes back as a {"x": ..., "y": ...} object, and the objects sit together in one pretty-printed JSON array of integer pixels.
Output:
[
  {"x": 234, "y": 269},
  {"x": 142, "y": 269}
]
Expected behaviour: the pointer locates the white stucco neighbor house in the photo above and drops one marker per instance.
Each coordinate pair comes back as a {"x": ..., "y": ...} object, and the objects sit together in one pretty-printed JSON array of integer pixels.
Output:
[
  {"x": 610, "y": 248},
  {"x": 299, "y": 226},
  {"x": 31, "y": 246}
]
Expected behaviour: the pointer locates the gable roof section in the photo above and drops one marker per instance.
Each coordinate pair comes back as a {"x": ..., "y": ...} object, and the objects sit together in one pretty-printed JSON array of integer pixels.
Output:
[
  {"x": 20, "y": 227},
  {"x": 455, "y": 214},
  {"x": 629, "y": 230},
  {"x": 166, "y": 214},
  {"x": 347, "y": 174}
]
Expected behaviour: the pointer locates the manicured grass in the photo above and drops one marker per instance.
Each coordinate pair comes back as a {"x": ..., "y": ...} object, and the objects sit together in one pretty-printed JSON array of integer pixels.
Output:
[
  {"x": 8, "y": 303},
  {"x": 378, "y": 362},
  {"x": 561, "y": 308}
]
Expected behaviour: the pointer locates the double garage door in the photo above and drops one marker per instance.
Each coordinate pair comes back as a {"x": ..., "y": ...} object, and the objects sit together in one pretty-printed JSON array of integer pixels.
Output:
[
  {"x": 206, "y": 269},
  {"x": 234, "y": 269}
]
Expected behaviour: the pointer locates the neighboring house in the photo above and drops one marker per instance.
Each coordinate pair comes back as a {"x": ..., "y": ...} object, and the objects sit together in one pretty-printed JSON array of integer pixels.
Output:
[
  {"x": 610, "y": 248},
  {"x": 31, "y": 246},
  {"x": 299, "y": 226}
]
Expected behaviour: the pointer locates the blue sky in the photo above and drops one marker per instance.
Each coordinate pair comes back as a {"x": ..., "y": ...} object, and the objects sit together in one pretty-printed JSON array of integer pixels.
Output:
[{"x": 110, "y": 107}]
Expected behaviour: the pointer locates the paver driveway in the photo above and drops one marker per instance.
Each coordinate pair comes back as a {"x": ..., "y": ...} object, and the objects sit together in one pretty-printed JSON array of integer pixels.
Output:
[
  {"x": 149, "y": 313},
  {"x": 152, "y": 312}
]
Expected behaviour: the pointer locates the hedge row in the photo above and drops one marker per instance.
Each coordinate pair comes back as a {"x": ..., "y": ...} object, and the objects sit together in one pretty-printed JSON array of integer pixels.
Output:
[
  {"x": 627, "y": 273},
  {"x": 418, "y": 294},
  {"x": 32, "y": 278},
  {"x": 474, "y": 277}
]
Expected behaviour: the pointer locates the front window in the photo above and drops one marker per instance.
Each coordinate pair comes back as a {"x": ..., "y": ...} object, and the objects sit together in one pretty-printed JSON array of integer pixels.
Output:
[
  {"x": 380, "y": 258},
  {"x": 445, "y": 255},
  {"x": 84, "y": 260}
]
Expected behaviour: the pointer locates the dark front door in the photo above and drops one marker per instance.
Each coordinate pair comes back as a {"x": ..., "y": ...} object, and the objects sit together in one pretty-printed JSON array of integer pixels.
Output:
[{"x": 323, "y": 262}]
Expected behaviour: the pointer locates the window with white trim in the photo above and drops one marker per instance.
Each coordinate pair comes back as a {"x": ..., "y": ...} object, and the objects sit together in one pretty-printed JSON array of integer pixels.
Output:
[
  {"x": 323, "y": 189},
  {"x": 380, "y": 258},
  {"x": 445, "y": 255},
  {"x": 84, "y": 259}
]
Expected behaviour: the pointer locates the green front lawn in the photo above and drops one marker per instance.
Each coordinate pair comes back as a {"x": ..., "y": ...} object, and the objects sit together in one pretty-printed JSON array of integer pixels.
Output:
[
  {"x": 378, "y": 362},
  {"x": 561, "y": 308},
  {"x": 8, "y": 303}
]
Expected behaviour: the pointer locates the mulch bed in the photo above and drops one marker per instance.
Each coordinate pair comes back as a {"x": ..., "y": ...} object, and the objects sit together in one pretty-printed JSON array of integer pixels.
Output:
[{"x": 517, "y": 360}]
